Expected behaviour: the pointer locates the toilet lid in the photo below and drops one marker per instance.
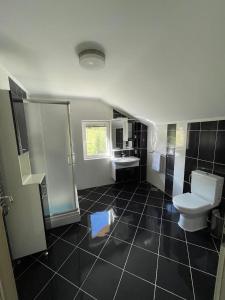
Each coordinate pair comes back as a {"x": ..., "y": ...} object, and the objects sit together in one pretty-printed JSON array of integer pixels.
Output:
[{"x": 190, "y": 202}]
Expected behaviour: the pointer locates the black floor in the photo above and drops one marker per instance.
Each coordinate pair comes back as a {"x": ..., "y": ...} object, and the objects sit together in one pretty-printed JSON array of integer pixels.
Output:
[{"x": 142, "y": 254}]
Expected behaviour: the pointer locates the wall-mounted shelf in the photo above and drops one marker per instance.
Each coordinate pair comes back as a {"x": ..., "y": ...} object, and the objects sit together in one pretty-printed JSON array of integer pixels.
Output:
[{"x": 121, "y": 149}]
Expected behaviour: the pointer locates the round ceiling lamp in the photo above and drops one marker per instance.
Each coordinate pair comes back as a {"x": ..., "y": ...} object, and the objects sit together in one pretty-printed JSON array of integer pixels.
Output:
[{"x": 92, "y": 59}]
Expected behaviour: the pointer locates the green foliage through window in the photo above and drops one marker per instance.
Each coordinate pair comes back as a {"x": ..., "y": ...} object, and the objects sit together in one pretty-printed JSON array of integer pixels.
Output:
[{"x": 96, "y": 140}]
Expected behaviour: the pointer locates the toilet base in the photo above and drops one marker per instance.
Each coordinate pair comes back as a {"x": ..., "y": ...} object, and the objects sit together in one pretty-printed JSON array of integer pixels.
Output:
[{"x": 193, "y": 223}]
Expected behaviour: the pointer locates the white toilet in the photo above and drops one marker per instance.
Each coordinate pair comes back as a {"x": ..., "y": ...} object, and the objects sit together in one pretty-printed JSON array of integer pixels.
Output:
[{"x": 206, "y": 193}]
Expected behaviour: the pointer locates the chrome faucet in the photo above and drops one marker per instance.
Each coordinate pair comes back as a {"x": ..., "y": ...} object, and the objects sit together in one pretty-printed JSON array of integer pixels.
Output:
[{"x": 123, "y": 154}]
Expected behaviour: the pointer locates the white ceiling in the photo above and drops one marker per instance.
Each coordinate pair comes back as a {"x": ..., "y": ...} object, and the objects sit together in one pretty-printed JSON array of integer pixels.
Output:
[{"x": 165, "y": 59}]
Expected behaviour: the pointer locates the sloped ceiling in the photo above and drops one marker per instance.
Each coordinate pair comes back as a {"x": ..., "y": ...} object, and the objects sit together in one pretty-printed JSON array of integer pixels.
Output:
[{"x": 165, "y": 60}]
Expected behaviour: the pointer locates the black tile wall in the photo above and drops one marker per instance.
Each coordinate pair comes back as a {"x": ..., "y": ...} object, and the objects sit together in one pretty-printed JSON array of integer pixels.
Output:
[
  {"x": 205, "y": 151},
  {"x": 140, "y": 147},
  {"x": 139, "y": 139},
  {"x": 170, "y": 156},
  {"x": 117, "y": 114}
]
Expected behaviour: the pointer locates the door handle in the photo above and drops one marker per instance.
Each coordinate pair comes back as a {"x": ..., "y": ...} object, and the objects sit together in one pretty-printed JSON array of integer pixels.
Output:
[{"x": 5, "y": 202}]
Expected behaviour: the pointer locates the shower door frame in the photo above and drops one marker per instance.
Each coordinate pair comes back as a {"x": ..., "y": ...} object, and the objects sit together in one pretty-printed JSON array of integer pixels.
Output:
[{"x": 57, "y": 219}]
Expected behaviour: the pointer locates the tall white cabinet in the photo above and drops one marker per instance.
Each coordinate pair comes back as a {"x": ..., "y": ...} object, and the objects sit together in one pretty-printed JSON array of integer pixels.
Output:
[{"x": 25, "y": 222}]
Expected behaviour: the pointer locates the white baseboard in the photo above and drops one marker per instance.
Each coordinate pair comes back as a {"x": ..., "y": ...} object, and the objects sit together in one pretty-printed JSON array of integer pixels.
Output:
[{"x": 62, "y": 219}]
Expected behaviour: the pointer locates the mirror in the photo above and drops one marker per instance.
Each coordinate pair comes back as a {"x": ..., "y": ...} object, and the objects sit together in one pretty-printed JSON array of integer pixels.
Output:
[{"x": 122, "y": 132}]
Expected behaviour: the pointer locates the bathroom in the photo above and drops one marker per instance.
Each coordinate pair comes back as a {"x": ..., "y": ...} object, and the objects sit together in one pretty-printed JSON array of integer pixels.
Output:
[{"x": 112, "y": 152}]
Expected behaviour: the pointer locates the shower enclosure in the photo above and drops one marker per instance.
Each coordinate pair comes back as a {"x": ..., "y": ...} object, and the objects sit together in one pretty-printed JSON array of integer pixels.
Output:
[{"x": 51, "y": 152}]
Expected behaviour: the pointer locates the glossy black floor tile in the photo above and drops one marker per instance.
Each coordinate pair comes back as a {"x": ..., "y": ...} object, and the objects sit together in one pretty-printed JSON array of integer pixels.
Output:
[
  {"x": 85, "y": 219},
  {"x": 113, "y": 192},
  {"x": 156, "y": 193},
  {"x": 85, "y": 204},
  {"x": 174, "y": 249},
  {"x": 170, "y": 213},
  {"x": 142, "y": 191},
  {"x": 126, "y": 195},
  {"x": 106, "y": 199},
  {"x": 57, "y": 254},
  {"x": 203, "y": 285},
  {"x": 175, "y": 277},
  {"x": 84, "y": 192},
  {"x": 118, "y": 212},
  {"x": 135, "y": 207},
  {"x": 93, "y": 244},
  {"x": 201, "y": 238},
  {"x": 161, "y": 294},
  {"x": 77, "y": 266},
  {"x": 50, "y": 240},
  {"x": 59, "y": 230},
  {"x": 93, "y": 196},
  {"x": 32, "y": 281},
  {"x": 152, "y": 211},
  {"x": 139, "y": 198},
  {"x": 83, "y": 296},
  {"x": 150, "y": 223},
  {"x": 172, "y": 229},
  {"x": 75, "y": 234},
  {"x": 102, "y": 276},
  {"x": 116, "y": 251},
  {"x": 155, "y": 201},
  {"x": 133, "y": 288},
  {"x": 58, "y": 289},
  {"x": 123, "y": 239},
  {"x": 98, "y": 207},
  {"x": 203, "y": 259},
  {"x": 124, "y": 232},
  {"x": 22, "y": 264},
  {"x": 147, "y": 240},
  {"x": 142, "y": 263},
  {"x": 130, "y": 217},
  {"x": 101, "y": 189},
  {"x": 121, "y": 203}
]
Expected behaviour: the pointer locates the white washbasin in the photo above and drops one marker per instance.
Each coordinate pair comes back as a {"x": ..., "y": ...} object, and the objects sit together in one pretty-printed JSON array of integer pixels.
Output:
[{"x": 129, "y": 160}]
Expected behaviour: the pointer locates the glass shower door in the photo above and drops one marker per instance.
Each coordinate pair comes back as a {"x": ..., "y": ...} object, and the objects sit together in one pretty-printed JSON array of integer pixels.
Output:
[{"x": 57, "y": 144}]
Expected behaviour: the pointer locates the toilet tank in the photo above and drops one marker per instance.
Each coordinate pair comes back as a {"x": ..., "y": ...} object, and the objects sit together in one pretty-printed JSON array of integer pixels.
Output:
[{"x": 207, "y": 186}]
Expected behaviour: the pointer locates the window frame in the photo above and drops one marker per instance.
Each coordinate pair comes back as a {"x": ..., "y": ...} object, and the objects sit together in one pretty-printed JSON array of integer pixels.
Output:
[{"x": 96, "y": 123}]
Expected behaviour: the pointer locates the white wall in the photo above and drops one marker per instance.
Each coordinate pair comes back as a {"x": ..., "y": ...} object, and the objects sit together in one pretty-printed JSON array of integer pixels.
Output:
[
  {"x": 96, "y": 172},
  {"x": 179, "y": 163},
  {"x": 157, "y": 141},
  {"x": 4, "y": 82}
]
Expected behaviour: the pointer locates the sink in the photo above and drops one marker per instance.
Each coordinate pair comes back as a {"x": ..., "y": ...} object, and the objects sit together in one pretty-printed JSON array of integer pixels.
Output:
[
  {"x": 123, "y": 163},
  {"x": 129, "y": 160}
]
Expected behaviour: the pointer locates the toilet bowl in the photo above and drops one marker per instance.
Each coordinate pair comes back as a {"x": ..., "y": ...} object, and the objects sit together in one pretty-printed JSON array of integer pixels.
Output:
[
  {"x": 206, "y": 193},
  {"x": 193, "y": 211}
]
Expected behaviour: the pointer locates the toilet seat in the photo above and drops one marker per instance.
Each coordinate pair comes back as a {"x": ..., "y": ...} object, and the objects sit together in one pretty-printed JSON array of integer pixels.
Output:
[{"x": 191, "y": 203}]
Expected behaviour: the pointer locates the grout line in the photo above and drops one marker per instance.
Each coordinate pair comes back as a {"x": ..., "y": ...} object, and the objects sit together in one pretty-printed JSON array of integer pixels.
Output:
[
  {"x": 157, "y": 263},
  {"x": 196, "y": 245},
  {"x": 130, "y": 247},
  {"x": 40, "y": 254},
  {"x": 100, "y": 251},
  {"x": 215, "y": 245},
  {"x": 214, "y": 154},
  {"x": 56, "y": 272},
  {"x": 193, "y": 289},
  {"x": 147, "y": 250},
  {"x": 44, "y": 286}
]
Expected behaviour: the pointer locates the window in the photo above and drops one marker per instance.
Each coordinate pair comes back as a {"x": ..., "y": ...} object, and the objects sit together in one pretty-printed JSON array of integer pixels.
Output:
[{"x": 96, "y": 139}]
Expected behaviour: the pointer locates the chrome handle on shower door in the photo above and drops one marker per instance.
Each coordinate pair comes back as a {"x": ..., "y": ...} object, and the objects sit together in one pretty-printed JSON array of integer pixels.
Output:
[{"x": 71, "y": 159}]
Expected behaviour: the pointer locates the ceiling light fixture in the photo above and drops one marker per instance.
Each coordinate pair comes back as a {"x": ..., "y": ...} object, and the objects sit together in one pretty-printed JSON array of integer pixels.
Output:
[{"x": 92, "y": 59}]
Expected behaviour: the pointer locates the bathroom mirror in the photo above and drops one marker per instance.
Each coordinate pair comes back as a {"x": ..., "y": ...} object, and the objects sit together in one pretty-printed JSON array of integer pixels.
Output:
[{"x": 122, "y": 131}]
